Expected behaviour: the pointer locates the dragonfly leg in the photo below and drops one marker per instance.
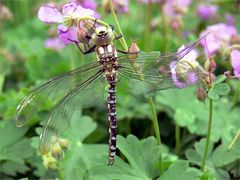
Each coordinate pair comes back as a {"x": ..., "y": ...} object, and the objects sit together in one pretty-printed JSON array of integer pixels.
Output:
[
  {"x": 118, "y": 37},
  {"x": 86, "y": 51},
  {"x": 126, "y": 52}
]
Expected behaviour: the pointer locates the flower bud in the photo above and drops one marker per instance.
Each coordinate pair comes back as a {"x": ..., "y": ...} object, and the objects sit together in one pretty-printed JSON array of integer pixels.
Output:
[
  {"x": 82, "y": 36},
  {"x": 210, "y": 65},
  {"x": 201, "y": 94},
  {"x": 133, "y": 50},
  {"x": 57, "y": 151},
  {"x": 64, "y": 143},
  {"x": 49, "y": 161}
]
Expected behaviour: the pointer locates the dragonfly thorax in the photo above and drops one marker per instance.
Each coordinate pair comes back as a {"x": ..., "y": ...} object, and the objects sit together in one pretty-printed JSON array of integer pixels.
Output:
[{"x": 107, "y": 57}]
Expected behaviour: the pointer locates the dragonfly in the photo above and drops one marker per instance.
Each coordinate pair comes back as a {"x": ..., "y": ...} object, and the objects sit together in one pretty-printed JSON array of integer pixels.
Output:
[{"x": 131, "y": 72}]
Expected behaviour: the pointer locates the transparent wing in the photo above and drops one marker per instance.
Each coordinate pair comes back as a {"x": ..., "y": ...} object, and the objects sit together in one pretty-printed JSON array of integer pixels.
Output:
[
  {"x": 89, "y": 93},
  {"x": 149, "y": 72},
  {"x": 53, "y": 90}
]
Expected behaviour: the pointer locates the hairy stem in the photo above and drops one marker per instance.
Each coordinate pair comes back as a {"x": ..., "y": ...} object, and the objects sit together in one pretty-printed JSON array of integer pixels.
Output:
[
  {"x": 177, "y": 139},
  {"x": 208, "y": 133},
  {"x": 157, "y": 131},
  {"x": 2, "y": 76},
  {"x": 122, "y": 40}
]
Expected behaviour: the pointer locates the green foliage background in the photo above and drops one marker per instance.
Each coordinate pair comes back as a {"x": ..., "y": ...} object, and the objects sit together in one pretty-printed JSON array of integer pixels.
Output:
[{"x": 28, "y": 64}]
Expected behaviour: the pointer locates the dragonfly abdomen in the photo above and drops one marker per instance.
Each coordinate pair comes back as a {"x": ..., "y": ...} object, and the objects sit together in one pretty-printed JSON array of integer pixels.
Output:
[{"x": 112, "y": 118}]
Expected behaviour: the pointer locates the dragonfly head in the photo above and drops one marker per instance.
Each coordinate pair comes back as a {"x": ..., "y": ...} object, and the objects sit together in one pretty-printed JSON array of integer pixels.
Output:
[{"x": 103, "y": 35}]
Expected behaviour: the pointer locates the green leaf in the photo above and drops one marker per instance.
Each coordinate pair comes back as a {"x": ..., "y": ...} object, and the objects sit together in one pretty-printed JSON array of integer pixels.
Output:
[
  {"x": 212, "y": 94},
  {"x": 184, "y": 102},
  {"x": 196, "y": 156},
  {"x": 222, "y": 89},
  {"x": 216, "y": 160},
  {"x": 222, "y": 155},
  {"x": 12, "y": 168},
  {"x": 14, "y": 147},
  {"x": 80, "y": 157},
  {"x": 142, "y": 157},
  {"x": 180, "y": 170},
  {"x": 220, "y": 79}
]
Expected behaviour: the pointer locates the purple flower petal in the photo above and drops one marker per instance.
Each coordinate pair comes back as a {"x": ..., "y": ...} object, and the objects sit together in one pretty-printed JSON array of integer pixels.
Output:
[
  {"x": 90, "y": 4},
  {"x": 235, "y": 61},
  {"x": 220, "y": 36},
  {"x": 54, "y": 43},
  {"x": 69, "y": 8},
  {"x": 50, "y": 15},
  {"x": 206, "y": 11},
  {"x": 80, "y": 11},
  {"x": 67, "y": 35}
]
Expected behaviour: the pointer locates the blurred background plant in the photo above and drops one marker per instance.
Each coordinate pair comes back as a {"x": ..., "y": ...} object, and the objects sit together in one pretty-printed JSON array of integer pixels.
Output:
[{"x": 31, "y": 53}]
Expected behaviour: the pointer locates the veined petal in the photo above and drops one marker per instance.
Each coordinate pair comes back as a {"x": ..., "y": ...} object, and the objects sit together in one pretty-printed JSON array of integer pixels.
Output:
[
  {"x": 69, "y": 8},
  {"x": 67, "y": 35},
  {"x": 50, "y": 15},
  {"x": 80, "y": 11}
]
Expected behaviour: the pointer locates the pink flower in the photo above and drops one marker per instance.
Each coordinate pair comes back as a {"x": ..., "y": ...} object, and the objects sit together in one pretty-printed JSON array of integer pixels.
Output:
[
  {"x": 176, "y": 7},
  {"x": 206, "y": 11},
  {"x": 152, "y": 1},
  {"x": 174, "y": 10},
  {"x": 88, "y": 4},
  {"x": 49, "y": 14},
  {"x": 54, "y": 43},
  {"x": 219, "y": 38},
  {"x": 235, "y": 61}
]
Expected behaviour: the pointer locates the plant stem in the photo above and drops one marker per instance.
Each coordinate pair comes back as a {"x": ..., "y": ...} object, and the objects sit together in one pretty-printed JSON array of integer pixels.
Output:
[
  {"x": 122, "y": 40},
  {"x": 157, "y": 131},
  {"x": 208, "y": 133},
  {"x": 177, "y": 139},
  {"x": 237, "y": 94},
  {"x": 2, "y": 76},
  {"x": 147, "y": 36},
  {"x": 235, "y": 139}
]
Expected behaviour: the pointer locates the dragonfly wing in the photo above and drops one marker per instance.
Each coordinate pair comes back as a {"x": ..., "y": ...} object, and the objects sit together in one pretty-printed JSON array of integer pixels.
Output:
[
  {"x": 151, "y": 72},
  {"x": 87, "y": 94},
  {"x": 52, "y": 90}
]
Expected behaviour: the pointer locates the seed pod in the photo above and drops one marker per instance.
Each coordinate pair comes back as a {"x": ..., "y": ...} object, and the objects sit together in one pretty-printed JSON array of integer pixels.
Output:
[
  {"x": 189, "y": 72},
  {"x": 82, "y": 36},
  {"x": 201, "y": 94}
]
